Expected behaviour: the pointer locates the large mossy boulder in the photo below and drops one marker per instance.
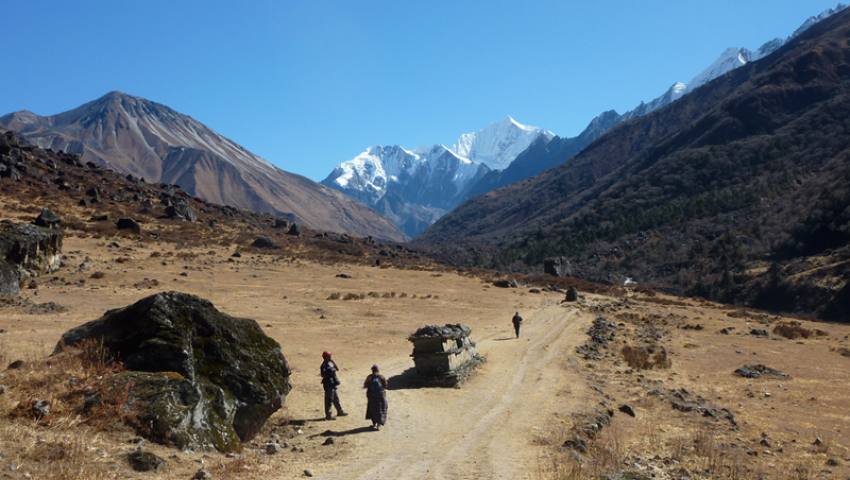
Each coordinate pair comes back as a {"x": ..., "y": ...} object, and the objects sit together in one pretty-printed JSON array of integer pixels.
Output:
[{"x": 194, "y": 377}]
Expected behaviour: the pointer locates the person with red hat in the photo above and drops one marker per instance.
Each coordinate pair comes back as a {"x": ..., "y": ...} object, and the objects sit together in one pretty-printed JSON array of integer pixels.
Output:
[{"x": 330, "y": 382}]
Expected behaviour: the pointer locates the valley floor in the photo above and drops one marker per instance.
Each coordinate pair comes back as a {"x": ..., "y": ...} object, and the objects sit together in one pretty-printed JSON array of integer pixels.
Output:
[{"x": 508, "y": 421}]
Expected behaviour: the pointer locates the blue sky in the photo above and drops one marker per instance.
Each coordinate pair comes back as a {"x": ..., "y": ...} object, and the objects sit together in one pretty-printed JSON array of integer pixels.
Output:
[{"x": 307, "y": 84}]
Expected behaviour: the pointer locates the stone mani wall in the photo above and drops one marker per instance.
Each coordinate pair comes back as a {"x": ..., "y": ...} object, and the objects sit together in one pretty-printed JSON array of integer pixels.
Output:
[{"x": 444, "y": 353}]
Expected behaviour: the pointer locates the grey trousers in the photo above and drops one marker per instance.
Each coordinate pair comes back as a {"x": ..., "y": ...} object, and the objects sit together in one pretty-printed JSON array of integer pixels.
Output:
[{"x": 332, "y": 398}]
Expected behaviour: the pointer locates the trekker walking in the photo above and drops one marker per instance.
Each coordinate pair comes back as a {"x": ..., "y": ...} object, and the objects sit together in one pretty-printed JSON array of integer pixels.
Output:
[
  {"x": 376, "y": 396},
  {"x": 330, "y": 382},
  {"x": 517, "y": 321}
]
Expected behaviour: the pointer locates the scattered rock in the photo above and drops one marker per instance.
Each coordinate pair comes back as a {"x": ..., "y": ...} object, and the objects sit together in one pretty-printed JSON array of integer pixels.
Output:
[
  {"x": 343, "y": 275},
  {"x": 128, "y": 224},
  {"x": 16, "y": 365},
  {"x": 758, "y": 371},
  {"x": 627, "y": 409},
  {"x": 308, "y": 473},
  {"x": 271, "y": 448},
  {"x": 576, "y": 443},
  {"x": 44, "y": 308},
  {"x": 202, "y": 474},
  {"x": 47, "y": 219},
  {"x": 504, "y": 283},
  {"x": 40, "y": 409},
  {"x": 142, "y": 461},
  {"x": 265, "y": 242},
  {"x": 698, "y": 327},
  {"x": 601, "y": 332},
  {"x": 759, "y": 332},
  {"x": 572, "y": 295},
  {"x": 195, "y": 377},
  {"x": 181, "y": 211},
  {"x": 97, "y": 275},
  {"x": 328, "y": 441}
]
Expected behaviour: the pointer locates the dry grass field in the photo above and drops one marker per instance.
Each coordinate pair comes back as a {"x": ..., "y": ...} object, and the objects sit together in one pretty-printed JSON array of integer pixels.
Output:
[{"x": 510, "y": 420}]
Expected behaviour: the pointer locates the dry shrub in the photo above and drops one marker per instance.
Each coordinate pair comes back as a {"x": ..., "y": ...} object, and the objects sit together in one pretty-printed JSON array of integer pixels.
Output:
[
  {"x": 61, "y": 380},
  {"x": 605, "y": 456},
  {"x": 334, "y": 296},
  {"x": 792, "y": 330},
  {"x": 354, "y": 296},
  {"x": 646, "y": 357},
  {"x": 47, "y": 454}
]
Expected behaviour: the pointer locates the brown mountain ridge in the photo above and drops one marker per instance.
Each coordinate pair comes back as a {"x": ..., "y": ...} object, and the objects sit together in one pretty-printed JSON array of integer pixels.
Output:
[{"x": 132, "y": 135}]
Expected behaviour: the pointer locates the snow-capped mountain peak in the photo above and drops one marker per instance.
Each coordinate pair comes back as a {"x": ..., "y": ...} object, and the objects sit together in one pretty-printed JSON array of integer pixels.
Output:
[{"x": 498, "y": 144}]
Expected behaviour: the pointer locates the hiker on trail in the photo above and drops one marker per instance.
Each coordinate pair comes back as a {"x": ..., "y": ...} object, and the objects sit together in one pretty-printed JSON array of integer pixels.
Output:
[
  {"x": 376, "y": 394},
  {"x": 330, "y": 382},
  {"x": 517, "y": 320}
]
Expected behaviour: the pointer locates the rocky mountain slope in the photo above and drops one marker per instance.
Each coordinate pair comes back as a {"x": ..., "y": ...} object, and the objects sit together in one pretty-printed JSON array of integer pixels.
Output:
[
  {"x": 737, "y": 191},
  {"x": 132, "y": 135},
  {"x": 541, "y": 156},
  {"x": 414, "y": 188}
]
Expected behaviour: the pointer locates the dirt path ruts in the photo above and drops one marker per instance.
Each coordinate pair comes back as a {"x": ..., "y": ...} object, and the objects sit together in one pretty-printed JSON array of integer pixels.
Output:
[{"x": 486, "y": 428}]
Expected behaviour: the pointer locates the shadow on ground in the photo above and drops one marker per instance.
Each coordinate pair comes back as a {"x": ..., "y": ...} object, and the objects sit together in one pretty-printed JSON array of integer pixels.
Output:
[{"x": 343, "y": 433}]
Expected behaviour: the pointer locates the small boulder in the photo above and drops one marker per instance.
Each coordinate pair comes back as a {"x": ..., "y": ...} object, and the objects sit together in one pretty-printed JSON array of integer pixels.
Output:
[
  {"x": 128, "y": 224},
  {"x": 759, "y": 332},
  {"x": 758, "y": 371},
  {"x": 39, "y": 409},
  {"x": 16, "y": 365},
  {"x": 294, "y": 230},
  {"x": 47, "y": 219},
  {"x": 181, "y": 211},
  {"x": 266, "y": 243},
  {"x": 572, "y": 295},
  {"x": 202, "y": 474},
  {"x": 503, "y": 283},
  {"x": 142, "y": 461},
  {"x": 627, "y": 409}
]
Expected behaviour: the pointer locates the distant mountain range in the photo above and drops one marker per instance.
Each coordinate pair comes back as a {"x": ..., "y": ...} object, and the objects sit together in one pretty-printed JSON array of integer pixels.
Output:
[
  {"x": 499, "y": 155},
  {"x": 736, "y": 191},
  {"x": 132, "y": 135},
  {"x": 414, "y": 188}
]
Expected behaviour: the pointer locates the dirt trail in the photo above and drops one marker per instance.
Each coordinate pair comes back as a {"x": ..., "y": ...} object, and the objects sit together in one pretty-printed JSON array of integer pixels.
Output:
[{"x": 485, "y": 429}]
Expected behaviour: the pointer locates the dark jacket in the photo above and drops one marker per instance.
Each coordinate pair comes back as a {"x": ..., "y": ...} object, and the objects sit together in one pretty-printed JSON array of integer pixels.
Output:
[{"x": 328, "y": 371}]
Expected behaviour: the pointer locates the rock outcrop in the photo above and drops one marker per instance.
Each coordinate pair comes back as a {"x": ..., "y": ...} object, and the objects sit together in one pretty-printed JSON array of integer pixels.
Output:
[
  {"x": 26, "y": 250},
  {"x": 195, "y": 377}
]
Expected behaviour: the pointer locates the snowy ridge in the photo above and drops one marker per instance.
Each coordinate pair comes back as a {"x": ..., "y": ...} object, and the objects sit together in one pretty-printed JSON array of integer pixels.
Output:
[
  {"x": 416, "y": 187},
  {"x": 498, "y": 144}
]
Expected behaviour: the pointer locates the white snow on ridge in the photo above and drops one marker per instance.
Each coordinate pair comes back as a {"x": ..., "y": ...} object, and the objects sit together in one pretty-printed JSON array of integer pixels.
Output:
[{"x": 497, "y": 145}]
